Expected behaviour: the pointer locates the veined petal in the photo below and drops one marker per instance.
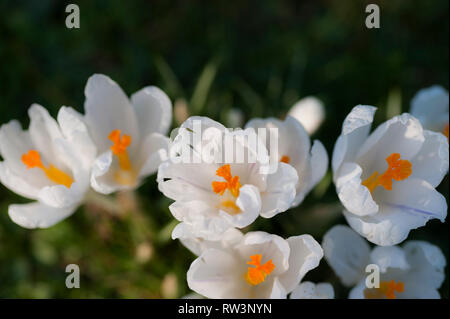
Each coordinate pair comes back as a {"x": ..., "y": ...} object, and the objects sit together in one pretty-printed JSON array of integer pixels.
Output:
[{"x": 389, "y": 257}]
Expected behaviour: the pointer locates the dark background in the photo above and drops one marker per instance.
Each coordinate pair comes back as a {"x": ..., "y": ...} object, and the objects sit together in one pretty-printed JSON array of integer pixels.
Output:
[{"x": 256, "y": 56}]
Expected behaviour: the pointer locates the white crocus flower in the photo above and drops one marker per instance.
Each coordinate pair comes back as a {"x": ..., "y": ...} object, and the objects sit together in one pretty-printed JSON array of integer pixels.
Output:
[
  {"x": 310, "y": 112},
  {"x": 386, "y": 180},
  {"x": 49, "y": 163},
  {"x": 430, "y": 107},
  {"x": 220, "y": 192},
  {"x": 129, "y": 134},
  {"x": 413, "y": 271},
  {"x": 259, "y": 265},
  {"x": 294, "y": 148},
  {"x": 310, "y": 290}
]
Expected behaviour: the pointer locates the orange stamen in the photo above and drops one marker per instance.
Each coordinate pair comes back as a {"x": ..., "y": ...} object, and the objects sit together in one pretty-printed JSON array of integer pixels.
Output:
[
  {"x": 398, "y": 170},
  {"x": 257, "y": 275},
  {"x": 446, "y": 131},
  {"x": 285, "y": 159},
  {"x": 231, "y": 182},
  {"x": 387, "y": 290},
  {"x": 32, "y": 159},
  {"x": 126, "y": 174}
]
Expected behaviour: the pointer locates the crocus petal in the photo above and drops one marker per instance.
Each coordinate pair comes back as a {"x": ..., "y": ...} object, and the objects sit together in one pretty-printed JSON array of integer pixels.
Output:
[
  {"x": 430, "y": 106},
  {"x": 347, "y": 253},
  {"x": 213, "y": 275},
  {"x": 280, "y": 192},
  {"x": 305, "y": 254},
  {"x": 401, "y": 134},
  {"x": 427, "y": 263},
  {"x": 409, "y": 205},
  {"x": 431, "y": 163},
  {"x": 17, "y": 184},
  {"x": 153, "y": 109},
  {"x": 153, "y": 152},
  {"x": 249, "y": 202},
  {"x": 355, "y": 130},
  {"x": 100, "y": 179},
  {"x": 108, "y": 108},
  {"x": 319, "y": 161},
  {"x": 37, "y": 215},
  {"x": 389, "y": 257},
  {"x": 198, "y": 245},
  {"x": 310, "y": 112},
  {"x": 44, "y": 131},
  {"x": 269, "y": 246},
  {"x": 76, "y": 133},
  {"x": 309, "y": 290},
  {"x": 354, "y": 196}
]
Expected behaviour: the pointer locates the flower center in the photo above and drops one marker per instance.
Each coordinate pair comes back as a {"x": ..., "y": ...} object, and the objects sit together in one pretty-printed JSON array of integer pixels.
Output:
[
  {"x": 446, "y": 131},
  {"x": 387, "y": 290},
  {"x": 398, "y": 169},
  {"x": 126, "y": 175},
  {"x": 32, "y": 159},
  {"x": 285, "y": 159},
  {"x": 232, "y": 185},
  {"x": 256, "y": 275}
]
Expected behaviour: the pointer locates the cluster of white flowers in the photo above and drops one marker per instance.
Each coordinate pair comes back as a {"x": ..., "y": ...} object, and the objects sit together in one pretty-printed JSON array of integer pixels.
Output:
[{"x": 385, "y": 181}]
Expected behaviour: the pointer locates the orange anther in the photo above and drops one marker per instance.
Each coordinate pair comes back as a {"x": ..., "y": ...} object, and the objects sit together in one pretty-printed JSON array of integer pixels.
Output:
[
  {"x": 120, "y": 143},
  {"x": 398, "y": 170},
  {"x": 285, "y": 159},
  {"x": 32, "y": 159},
  {"x": 231, "y": 182},
  {"x": 259, "y": 273}
]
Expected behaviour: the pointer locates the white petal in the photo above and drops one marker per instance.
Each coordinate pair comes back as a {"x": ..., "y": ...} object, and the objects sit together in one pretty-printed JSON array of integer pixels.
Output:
[
  {"x": 107, "y": 108},
  {"x": 17, "y": 184},
  {"x": 200, "y": 219},
  {"x": 347, "y": 253},
  {"x": 44, "y": 131},
  {"x": 309, "y": 290},
  {"x": 37, "y": 215},
  {"x": 280, "y": 192},
  {"x": 319, "y": 162},
  {"x": 427, "y": 263},
  {"x": 100, "y": 180},
  {"x": 305, "y": 255},
  {"x": 249, "y": 202},
  {"x": 60, "y": 196},
  {"x": 389, "y": 257},
  {"x": 310, "y": 112},
  {"x": 431, "y": 163},
  {"x": 198, "y": 245},
  {"x": 354, "y": 196},
  {"x": 269, "y": 246},
  {"x": 216, "y": 274},
  {"x": 430, "y": 106},
  {"x": 402, "y": 134},
  {"x": 355, "y": 130},
  {"x": 76, "y": 133},
  {"x": 153, "y": 152},
  {"x": 409, "y": 205},
  {"x": 153, "y": 109}
]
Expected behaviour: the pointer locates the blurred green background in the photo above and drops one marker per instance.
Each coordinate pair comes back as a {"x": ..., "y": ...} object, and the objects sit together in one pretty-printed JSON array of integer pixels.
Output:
[{"x": 256, "y": 56}]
